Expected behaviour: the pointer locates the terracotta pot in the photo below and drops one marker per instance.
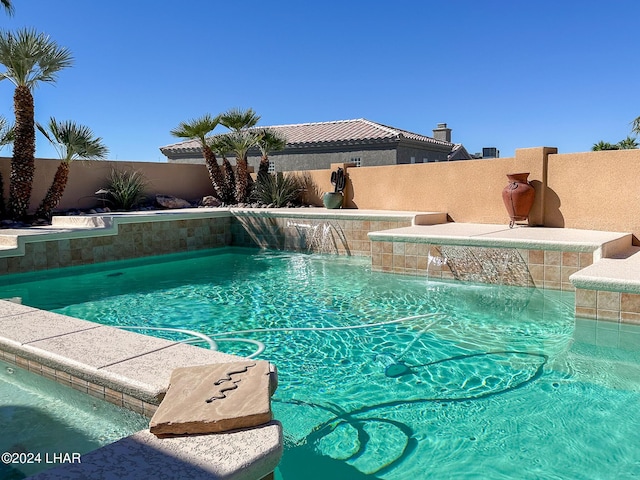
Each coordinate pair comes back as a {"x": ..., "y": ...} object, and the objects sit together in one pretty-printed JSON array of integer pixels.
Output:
[{"x": 518, "y": 197}]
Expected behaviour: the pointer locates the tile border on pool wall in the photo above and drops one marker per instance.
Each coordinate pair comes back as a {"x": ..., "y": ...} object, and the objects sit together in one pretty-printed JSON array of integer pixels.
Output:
[
  {"x": 101, "y": 392},
  {"x": 617, "y": 307},
  {"x": 341, "y": 236},
  {"x": 544, "y": 269}
]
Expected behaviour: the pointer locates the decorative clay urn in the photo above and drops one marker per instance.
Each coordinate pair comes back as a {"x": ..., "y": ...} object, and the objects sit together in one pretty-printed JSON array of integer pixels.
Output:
[{"x": 518, "y": 197}]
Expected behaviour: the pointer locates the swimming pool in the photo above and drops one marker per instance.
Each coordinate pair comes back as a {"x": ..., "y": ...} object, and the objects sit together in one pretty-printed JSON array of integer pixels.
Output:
[
  {"x": 438, "y": 380},
  {"x": 40, "y": 419}
]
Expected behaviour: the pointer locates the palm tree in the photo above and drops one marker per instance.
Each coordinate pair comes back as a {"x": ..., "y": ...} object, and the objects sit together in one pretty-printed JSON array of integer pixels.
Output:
[
  {"x": 197, "y": 130},
  {"x": 241, "y": 139},
  {"x": 602, "y": 145},
  {"x": 270, "y": 141},
  {"x": 240, "y": 142},
  {"x": 236, "y": 119},
  {"x": 8, "y": 7},
  {"x": 635, "y": 125},
  {"x": 30, "y": 58},
  {"x": 72, "y": 142},
  {"x": 221, "y": 147},
  {"x": 6, "y": 137},
  {"x": 628, "y": 143}
]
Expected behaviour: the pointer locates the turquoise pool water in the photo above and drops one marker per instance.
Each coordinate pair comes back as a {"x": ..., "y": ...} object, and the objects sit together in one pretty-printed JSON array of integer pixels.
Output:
[
  {"x": 437, "y": 380},
  {"x": 40, "y": 418}
]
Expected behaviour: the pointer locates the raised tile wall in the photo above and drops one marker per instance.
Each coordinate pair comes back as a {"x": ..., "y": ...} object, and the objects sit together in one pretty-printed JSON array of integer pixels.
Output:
[
  {"x": 617, "y": 307},
  {"x": 133, "y": 240},
  {"x": 336, "y": 236},
  {"x": 546, "y": 269}
]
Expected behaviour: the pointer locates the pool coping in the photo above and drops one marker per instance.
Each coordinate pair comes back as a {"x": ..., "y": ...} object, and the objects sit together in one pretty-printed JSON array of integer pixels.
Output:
[{"x": 133, "y": 371}]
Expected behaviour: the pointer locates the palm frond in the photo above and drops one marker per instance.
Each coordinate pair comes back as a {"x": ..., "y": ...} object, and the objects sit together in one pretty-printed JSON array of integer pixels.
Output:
[
  {"x": 197, "y": 128},
  {"x": 270, "y": 141},
  {"x": 236, "y": 119},
  {"x": 7, "y": 133},
  {"x": 8, "y": 7},
  {"x": 31, "y": 57},
  {"x": 73, "y": 141},
  {"x": 241, "y": 141}
]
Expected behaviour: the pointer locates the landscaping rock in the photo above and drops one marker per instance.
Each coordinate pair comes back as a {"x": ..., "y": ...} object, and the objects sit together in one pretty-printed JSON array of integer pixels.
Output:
[
  {"x": 210, "y": 201},
  {"x": 167, "y": 201}
]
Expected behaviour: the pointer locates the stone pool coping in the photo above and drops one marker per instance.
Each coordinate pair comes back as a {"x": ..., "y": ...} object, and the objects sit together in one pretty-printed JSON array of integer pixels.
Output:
[
  {"x": 603, "y": 244},
  {"x": 133, "y": 371}
]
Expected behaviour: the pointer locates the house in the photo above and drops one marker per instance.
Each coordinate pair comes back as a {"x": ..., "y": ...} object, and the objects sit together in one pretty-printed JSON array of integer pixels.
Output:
[{"x": 313, "y": 146}]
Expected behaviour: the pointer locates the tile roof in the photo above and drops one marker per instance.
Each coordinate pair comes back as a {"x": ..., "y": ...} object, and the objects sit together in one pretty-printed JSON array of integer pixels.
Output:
[{"x": 338, "y": 132}]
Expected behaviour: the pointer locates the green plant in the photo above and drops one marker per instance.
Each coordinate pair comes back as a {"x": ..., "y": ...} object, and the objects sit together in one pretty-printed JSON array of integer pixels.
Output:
[
  {"x": 126, "y": 189},
  {"x": 72, "y": 141},
  {"x": 30, "y": 58},
  {"x": 278, "y": 190}
]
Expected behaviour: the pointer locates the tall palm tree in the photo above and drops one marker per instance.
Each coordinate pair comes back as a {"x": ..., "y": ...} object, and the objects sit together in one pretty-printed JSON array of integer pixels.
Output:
[
  {"x": 6, "y": 137},
  {"x": 30, "y": 58},
  {"x": 270, "y": 141},
  {"x": 198, "y": 129},
  {"x": 221, "y": 147},
  {"x": 241, "y": 140},
  {"x": 72, "y": 142}
]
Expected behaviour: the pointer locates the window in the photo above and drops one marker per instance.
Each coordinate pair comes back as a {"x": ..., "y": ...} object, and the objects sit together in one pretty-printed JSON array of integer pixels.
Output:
[
  {"x": 272, "y": 167},
  {"x": 413, "y": 159},
  {"x": 357, "y": 161}
]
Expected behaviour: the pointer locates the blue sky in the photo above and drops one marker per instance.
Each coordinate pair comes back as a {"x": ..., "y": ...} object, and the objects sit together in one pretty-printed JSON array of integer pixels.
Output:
[{"x": 509, "y": 74}]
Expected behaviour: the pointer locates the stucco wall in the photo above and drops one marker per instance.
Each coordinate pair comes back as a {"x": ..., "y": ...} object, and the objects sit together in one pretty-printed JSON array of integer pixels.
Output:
[
  {"x": 597, "y": 190},
  {"x": 469, "y": 191},
  {"x": 85, "y": 178},
  {"x": 591, "y": 190}
]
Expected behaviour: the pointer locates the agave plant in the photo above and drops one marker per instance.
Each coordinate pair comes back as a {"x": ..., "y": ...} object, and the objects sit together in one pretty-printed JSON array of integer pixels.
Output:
[
  {"x": 30, "y": 58},
  {"x": 125, "y": 189},
  {"x": 278, "y": 190},
  {"x": 197, "y": 129},
  {"x": 72, "y": 142}
]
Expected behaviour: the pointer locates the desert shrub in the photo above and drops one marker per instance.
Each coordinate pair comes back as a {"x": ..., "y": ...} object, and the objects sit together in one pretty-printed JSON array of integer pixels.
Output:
[
  {"x": 126, "y": 189},
  {"x": 278, "y": 190}
]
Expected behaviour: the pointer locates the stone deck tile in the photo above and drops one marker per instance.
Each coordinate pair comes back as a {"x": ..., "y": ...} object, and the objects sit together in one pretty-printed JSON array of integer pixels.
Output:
[
  {"x": 501, "y": 236},
  {"x": 154, "y": 368},
  {"x": 248, "y": 454},
  {"x": 620, "y": 273},
  {"x": 32, "y": 325}
]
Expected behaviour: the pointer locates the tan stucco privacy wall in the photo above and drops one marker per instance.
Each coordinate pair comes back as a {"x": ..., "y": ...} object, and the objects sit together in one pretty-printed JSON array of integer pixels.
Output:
[
  {"x": 186, "y": 181},
  {"x": 590, "y": 190}
]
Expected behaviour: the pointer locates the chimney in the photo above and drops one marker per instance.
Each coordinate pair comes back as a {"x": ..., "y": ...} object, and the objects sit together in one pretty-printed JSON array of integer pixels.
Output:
[{"x": 441, "y": 132}]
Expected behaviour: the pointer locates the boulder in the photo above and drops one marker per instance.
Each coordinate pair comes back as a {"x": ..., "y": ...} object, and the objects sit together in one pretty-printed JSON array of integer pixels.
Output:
[
  {"x": 210, "y": 201},
  {"x": 167, "y": 201}
]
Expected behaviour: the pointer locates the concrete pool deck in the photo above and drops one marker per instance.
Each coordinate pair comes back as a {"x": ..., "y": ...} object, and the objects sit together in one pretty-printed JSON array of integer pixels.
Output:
[{"x": 132, "y": 371}]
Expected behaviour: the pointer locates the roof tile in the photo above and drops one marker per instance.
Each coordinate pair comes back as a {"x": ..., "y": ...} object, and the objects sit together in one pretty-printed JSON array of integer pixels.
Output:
[{"x": 335, "y": 132}]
